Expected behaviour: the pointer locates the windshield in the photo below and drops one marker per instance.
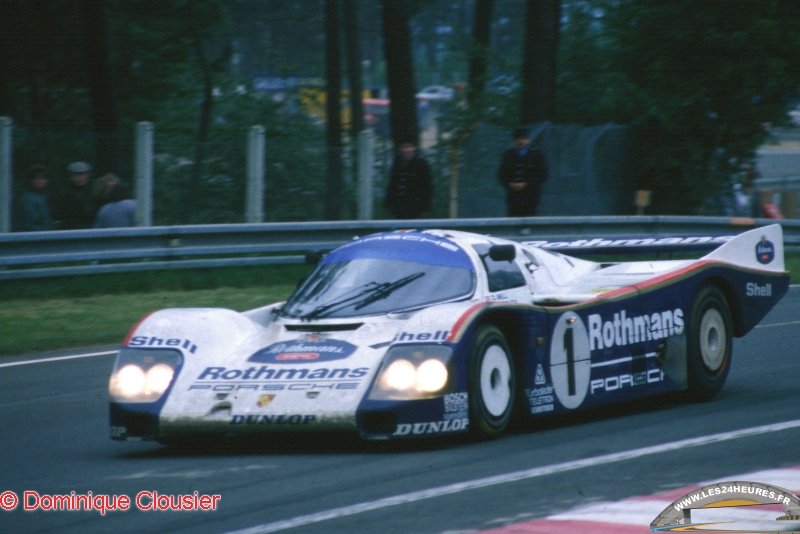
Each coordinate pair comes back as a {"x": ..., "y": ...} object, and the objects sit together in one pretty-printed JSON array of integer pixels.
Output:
[{"x": 383, "y": 274}]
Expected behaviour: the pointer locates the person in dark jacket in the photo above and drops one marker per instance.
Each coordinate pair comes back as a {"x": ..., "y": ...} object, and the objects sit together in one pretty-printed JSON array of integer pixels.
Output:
[
  {"x": 408, "y": 195},
  {"x": 75, "y": 208},
  {"x": 521, "y": 174},
  {"x": 33, "y": 209}
]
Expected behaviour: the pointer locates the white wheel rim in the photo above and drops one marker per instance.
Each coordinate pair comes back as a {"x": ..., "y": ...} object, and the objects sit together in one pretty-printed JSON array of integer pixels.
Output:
[
  {"x": 713, "y": 339},
  {"x": 496, "y": 381}
]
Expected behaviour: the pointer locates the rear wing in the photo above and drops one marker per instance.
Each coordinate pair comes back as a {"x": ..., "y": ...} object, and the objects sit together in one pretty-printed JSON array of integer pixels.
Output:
[
  {"x": 698, "y": 244},
  {"x": 761, "y": 248}
]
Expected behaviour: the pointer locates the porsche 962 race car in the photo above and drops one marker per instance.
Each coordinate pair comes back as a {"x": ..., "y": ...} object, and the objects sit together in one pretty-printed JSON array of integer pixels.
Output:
[{"x": 424, "y": 333}]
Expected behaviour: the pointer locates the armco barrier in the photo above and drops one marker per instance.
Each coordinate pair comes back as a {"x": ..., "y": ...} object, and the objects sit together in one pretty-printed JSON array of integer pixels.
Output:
[{"x": 86, "y": 252}]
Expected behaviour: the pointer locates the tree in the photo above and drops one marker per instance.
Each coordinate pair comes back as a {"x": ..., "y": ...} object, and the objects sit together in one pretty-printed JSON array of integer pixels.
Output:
[
  {"x": 700, "y": 94},
  {"x": 400, "y": 70},
  {"x": 479, "y": 53},
  {"x": 105, "y": 114},
  {"x": 353, "y": 54},
  {"x": 542, "y": 23},
  {"x": 333, "y": 78}
]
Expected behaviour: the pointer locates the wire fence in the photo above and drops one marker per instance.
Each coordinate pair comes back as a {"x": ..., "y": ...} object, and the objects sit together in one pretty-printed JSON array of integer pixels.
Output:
[{"x": 204, "y": 182}]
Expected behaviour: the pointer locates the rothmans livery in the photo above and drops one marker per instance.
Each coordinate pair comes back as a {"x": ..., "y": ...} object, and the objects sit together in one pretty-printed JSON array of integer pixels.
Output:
[{"x": 412, "y": 334}]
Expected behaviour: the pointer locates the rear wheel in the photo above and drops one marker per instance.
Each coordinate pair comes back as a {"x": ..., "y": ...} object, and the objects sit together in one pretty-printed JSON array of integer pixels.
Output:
[
  {"x": 709, "y": 344},
  {"x": 492, "y": 383}
]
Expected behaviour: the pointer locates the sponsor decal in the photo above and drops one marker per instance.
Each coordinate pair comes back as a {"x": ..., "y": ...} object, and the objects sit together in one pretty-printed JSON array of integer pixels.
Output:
[
  {"x": 629, "y": 380},
  {"x": 416, "y": 246},
  {"x": 264, "y": 400},
  {"x": 539, "y": 379},
  {"x": 153, "y": 341},
  {"x": 677, "y": 517},
  {"x": 304, "y": 351},
  {"x": 754, "y": 290},
  {"x": 622, "y": 330},
  {"x": 765, "y": 251},
  {"x": 272, "y": 379},
  {"x": 434, "y": 427},
  {"x": 456, "y": 403},
  {"x": 295, "y": 419},
  {"x": 265, "y": 372},
  {"x": 541, "y": 399},
  {"x": 409, "y": 337},
  {"x": 312, "y": 389},
  {"x": 632, "y": 242}
]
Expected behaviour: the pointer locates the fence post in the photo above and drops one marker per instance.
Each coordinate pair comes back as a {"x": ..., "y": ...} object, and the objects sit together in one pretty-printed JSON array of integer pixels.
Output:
[
  {"x": 143, "y": 172},
  {"x": 6, "y": 176},
  {"x": 366, "y": 164},
  {"x": 254, "y": 201}
]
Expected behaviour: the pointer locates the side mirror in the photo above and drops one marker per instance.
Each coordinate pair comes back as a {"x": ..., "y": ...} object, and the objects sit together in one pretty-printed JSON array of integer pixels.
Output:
[{"x": 503, "y": 252}]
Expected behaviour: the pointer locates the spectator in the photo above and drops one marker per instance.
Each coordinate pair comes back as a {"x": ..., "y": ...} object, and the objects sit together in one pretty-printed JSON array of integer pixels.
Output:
[
  {"x": 101, "y": 189},
  {"x": 33, "y": 211},
  {"x": 408, "y": 195},
  {"x": 119, "y": 211},
  {"x": 75, "y": 208},
  {"x": 521, "y": 173}
]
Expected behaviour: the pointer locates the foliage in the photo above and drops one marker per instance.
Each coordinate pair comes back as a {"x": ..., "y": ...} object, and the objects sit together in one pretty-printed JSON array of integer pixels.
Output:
[{"x": 699, "y": 81}]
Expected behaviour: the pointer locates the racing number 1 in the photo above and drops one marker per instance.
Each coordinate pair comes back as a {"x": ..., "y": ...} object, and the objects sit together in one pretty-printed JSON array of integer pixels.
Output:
[
  {"x": 569, "y": 347},
  {"x": 570, "y": 360}
]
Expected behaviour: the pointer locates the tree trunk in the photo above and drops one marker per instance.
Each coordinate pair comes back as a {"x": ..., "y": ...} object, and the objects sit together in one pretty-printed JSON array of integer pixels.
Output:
[
  {"x": 353, "y": 69},
  {"x": 543, "y": 20},
  {"x": 101, "y": 86},
  {"x": 333, "y": 75},
  {"x": 481, "y": 36},
  {"x": 400, "y": 71},
  {"x": 203, "y": 126}
]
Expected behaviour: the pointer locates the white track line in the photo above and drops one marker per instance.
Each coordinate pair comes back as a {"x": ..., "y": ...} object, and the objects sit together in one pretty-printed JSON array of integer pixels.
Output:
[
  {"x": 59, "y": 358},
  {"x": 515, "y": 476}
]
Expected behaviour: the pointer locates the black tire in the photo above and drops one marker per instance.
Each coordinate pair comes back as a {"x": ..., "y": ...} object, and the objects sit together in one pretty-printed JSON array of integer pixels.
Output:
[
  {"x": 709, "y": 344},
  {"x": 492, "y": 383}
]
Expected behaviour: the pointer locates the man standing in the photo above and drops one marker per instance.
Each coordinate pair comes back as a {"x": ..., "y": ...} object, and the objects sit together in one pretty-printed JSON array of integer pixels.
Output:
[
  {"x": 521, "y": 173},
  {"x": 75, "y": 209},
  {"x": 408, "y": 195},
  {"x": 33, "y": 210}
]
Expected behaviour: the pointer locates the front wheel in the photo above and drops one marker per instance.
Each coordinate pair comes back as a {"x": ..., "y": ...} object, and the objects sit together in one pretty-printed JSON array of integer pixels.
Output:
[
  {"x": 492, "y": 383},
  {"x": 709, "y": 344}
]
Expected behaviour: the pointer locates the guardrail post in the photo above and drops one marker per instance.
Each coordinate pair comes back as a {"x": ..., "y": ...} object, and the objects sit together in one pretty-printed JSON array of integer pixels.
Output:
[
  {"x": 254, "y": 203},
  {"x": 366, "y": 164},
  {"x": 6, "y": 178},
  {"x": 143, "y": 171}
]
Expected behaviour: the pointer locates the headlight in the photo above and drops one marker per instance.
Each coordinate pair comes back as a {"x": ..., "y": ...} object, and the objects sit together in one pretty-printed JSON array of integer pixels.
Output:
[
  {"x": 413, "y": 372},
  {"x": 400, "y": 375},
  {"x": 143, "y": 375},
  {"x": 431, "y": 376}
]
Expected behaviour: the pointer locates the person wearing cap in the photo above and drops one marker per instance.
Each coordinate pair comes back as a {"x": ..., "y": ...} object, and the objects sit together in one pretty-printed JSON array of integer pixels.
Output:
[
  {"x": 521, "y": 174},
  {"x": 75, "y": 209},
  {"x": 33, "y": 209},
  {"x": 408, "y": 195}
]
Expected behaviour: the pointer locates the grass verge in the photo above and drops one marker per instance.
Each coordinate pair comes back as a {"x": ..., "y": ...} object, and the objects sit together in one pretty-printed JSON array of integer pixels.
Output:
[{"x": 41, "y": 315}]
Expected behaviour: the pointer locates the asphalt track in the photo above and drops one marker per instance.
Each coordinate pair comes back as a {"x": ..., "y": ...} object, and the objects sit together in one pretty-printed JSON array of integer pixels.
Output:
[{"x": 54, "y": 429}]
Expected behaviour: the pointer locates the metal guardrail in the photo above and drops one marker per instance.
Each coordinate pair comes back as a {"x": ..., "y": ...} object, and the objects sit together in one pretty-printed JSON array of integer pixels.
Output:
[{"x": 89, "y": 252}]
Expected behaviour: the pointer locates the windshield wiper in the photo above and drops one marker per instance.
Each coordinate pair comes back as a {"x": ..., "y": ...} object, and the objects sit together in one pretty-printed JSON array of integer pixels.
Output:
[
  {"x": 386, "y": 289},
  {"x": 374, "y": 292}
]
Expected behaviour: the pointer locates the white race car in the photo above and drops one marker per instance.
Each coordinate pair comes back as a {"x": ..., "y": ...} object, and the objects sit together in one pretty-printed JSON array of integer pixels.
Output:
[{"x": 422, "y": 333}]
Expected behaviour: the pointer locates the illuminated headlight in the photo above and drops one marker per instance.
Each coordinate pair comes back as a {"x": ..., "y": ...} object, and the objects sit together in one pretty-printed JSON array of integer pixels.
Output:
[
  {"x": 413, "y": 372},
  {"x": 143, "y": 375}
]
